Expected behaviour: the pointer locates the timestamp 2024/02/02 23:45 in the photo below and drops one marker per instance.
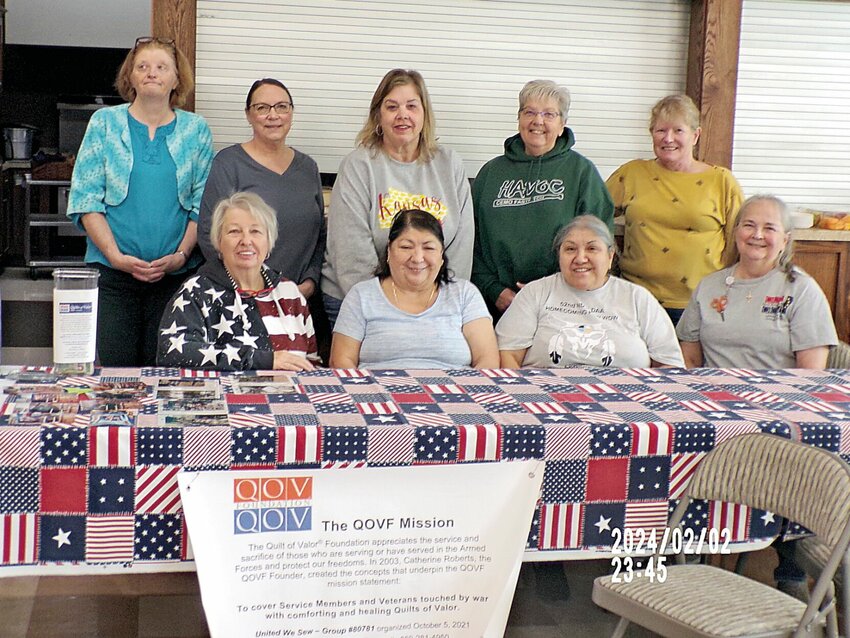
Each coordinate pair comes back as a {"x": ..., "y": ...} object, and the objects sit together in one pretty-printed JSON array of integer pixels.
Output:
[{"x": 638, "y": 553}]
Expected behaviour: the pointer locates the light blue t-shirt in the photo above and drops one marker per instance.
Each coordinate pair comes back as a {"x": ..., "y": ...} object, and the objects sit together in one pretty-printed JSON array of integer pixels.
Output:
[{"x": 392, "y": 338}]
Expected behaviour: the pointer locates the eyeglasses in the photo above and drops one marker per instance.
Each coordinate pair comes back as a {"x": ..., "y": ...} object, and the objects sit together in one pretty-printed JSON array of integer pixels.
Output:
[
  {"x": 530, "y": 114},
  {"x": 148, "y": 39},
  {"x": 281, "y": 108},
  {"x": 251, "y": 294}
]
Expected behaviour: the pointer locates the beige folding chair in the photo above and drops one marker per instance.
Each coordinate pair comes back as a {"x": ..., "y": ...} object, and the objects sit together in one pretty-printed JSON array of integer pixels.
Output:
[
  {"x": 839, "y": 356},
  {"x": 800, "y": 482},
  {"x": 811, "y": 555}
]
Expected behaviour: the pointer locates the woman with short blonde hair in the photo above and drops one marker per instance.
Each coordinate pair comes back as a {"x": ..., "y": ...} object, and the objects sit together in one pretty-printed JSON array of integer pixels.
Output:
[
  {"x": 679, "y": 211},
  {"x": 136, "y": 191},
  {"x": 237, "y": 313}
]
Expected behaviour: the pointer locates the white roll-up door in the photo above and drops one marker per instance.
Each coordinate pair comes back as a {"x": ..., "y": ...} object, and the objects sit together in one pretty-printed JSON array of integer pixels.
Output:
[
  {"x": 792, "y": 122},
  {"x": 616, "y": 56}
]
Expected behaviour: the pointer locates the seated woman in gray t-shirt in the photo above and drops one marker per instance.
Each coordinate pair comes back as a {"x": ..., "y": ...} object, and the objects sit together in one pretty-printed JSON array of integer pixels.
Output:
[
  {"x": 760, "y": 311},
  {"x": 413, "y": 315}
]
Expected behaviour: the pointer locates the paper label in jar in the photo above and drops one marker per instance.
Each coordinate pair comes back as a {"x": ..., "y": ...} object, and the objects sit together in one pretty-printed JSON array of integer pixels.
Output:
[{"x": 74, "y": 325}]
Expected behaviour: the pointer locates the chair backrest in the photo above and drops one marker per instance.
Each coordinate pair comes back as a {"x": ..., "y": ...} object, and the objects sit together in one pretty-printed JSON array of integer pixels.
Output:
[
  {"x": 839, "y": 356},
  {"x": 801, "y": 482}
]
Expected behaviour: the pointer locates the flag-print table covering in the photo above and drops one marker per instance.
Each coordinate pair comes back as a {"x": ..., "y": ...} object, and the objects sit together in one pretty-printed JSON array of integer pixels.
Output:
[{"x": 88, "y": 464}]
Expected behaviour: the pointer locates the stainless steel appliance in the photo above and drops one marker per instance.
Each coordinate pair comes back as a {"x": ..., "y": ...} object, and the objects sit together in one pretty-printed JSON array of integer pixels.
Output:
[{"x": 18, "y": 142}]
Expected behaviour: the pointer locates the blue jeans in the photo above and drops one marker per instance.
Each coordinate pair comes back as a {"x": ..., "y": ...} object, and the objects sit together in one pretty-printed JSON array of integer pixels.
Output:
[
  {"x": 675, "y": 314},
  {"x": 332, "y": 306}
]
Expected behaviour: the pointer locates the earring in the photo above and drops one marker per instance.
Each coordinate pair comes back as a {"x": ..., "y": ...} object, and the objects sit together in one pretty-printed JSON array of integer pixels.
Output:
[{"x": 379, "y": 131}]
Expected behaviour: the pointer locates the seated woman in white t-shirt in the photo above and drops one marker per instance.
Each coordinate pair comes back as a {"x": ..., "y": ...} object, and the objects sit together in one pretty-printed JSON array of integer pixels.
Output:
[
  {"x": 413, "y": 314},
  {"x": 582, "y": 315}
]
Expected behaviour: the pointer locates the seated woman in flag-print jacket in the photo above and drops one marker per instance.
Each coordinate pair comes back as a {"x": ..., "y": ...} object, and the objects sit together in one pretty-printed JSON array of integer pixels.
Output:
[{"x": 236, "y": 313}]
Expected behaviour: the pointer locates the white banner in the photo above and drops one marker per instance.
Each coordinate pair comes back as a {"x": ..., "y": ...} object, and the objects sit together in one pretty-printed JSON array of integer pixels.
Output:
[{"x": 418, "y": 552}]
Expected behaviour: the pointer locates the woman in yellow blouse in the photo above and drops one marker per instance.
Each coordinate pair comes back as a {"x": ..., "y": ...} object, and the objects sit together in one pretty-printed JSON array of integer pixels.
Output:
[{"x": 679, "y": 211}]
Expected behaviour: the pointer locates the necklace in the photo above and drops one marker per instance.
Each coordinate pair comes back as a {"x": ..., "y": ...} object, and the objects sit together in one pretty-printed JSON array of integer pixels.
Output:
[
  {"x": 720, "y": 303},
  {"x": 244, "y": 291},
  {"x": 730, "y": 281},
  {"x": 395, "y": 294}
]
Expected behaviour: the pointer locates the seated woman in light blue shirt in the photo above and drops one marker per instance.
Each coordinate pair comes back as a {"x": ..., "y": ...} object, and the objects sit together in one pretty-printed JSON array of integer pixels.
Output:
[{"x": 413, "y": 314}]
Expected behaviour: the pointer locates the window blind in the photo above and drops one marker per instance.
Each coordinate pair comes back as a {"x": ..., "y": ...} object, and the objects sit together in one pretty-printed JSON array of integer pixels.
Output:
[
  {"x": 617, "y": 57},
  {"x": 792, "y": 122}
]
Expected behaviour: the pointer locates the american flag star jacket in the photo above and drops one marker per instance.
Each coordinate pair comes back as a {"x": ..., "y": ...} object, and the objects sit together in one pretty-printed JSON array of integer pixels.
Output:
[{"x": 208, "y": 324}]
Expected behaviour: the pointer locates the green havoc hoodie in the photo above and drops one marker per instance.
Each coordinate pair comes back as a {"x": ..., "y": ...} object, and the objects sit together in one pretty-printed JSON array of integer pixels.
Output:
[{"x": 520, "y": 203}]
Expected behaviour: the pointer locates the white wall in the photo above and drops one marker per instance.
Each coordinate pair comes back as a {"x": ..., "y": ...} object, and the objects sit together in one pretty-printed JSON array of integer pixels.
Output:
[
  {"x": 82, "y": 23},
  {"x": 618, "y": 57}
]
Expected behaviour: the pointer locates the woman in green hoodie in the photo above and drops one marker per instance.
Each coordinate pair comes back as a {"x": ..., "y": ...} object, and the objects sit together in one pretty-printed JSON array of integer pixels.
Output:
[{"x": 522, "y": 198}]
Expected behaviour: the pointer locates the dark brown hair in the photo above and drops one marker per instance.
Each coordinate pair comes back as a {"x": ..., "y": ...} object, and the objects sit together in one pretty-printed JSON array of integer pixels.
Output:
[
  {"x": 420, "y": 220},
  {"x": 256, "y": 85}
]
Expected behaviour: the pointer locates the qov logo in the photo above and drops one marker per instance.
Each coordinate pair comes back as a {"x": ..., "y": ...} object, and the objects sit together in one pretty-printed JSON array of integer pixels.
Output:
[{"x": 272, "y": 505}]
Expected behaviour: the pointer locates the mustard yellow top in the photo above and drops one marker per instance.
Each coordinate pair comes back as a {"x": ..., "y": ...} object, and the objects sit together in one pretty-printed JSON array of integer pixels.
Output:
[{"x": 677, "y": 225}]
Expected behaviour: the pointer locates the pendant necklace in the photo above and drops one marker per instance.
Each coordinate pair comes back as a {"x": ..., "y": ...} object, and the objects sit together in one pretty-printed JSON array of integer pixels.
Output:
[
  {"x": 395, "y": 294},
  {"x": 730, "y": 280}
]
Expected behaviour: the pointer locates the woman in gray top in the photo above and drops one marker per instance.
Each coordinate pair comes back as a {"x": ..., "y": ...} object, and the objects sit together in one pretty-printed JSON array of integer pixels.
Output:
[
  {"x": 397, "y": 165},
  {"x": 286, "y": 179},
  {"x": 760, "y": 311},
  {"x": 583, "y": 316}
]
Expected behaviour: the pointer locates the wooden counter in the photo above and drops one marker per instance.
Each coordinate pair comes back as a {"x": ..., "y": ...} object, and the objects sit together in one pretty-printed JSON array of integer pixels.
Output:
[{"x": 824, "y": 254}]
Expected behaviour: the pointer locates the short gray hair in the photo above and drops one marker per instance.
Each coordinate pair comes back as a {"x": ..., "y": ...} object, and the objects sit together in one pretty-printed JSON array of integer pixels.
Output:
[
  {"x": 546, "y": 90},
  {"x": 585, "y": 222},
  {"x": 251, "y": 203},
  {"x": 787, "y": 255}
]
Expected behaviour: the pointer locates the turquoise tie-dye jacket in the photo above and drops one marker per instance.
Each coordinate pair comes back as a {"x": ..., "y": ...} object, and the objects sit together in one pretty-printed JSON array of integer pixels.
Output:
[{"x": 102, "y": 171}]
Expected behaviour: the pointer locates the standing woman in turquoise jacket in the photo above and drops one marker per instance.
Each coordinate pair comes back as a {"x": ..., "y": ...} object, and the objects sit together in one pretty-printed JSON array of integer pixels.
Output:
[
  {"x": 136, "y": 191},
  {"x": 522, "y": 198}
]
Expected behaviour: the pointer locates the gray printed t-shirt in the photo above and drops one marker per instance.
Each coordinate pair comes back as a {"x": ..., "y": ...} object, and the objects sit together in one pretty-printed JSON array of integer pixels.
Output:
[
  {"x": 619, "y": 324},
  {"x": 780, "y": 318},
  {"x": 370, "y": 188},
  {"x": 392, "y": 338}
]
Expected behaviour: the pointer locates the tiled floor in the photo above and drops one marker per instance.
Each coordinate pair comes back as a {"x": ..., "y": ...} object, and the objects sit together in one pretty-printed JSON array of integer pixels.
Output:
[{"x": 168, "y": 605}]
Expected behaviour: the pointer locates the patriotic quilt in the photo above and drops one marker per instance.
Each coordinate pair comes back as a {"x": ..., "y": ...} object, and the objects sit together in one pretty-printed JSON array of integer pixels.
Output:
[{"x": 88, "y": 464}]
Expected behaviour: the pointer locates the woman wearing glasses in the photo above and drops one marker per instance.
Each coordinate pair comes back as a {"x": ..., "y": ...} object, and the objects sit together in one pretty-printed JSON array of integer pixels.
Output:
[
  {"x": 286, "y": 179},
  {"x": 238, "y": 314},
  {"x": 136, "y": 190},
  {"x": 523, "y": 197},
  {"x": 398, "y": 165}
]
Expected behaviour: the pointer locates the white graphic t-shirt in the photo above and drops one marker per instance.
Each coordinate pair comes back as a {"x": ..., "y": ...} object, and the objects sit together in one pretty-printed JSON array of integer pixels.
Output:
[{"x": 619, "y": 324}]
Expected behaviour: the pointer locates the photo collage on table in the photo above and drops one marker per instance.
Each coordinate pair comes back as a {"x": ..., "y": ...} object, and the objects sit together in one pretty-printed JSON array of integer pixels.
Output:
[{"x": 39, "y": 397}]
